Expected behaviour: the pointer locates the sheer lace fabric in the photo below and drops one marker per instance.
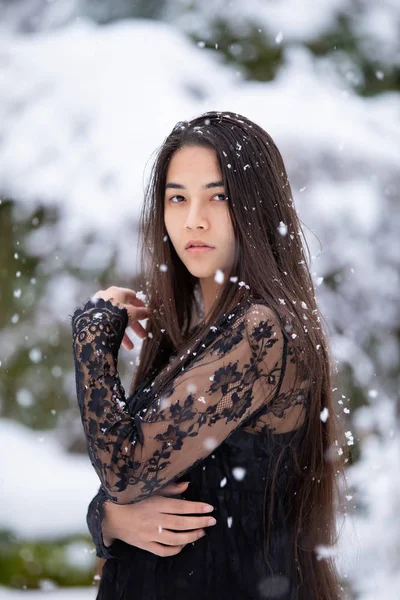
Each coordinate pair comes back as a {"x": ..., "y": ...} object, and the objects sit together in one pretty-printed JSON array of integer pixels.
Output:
[
  {"x": 243, "y": 380},
  {"x": 240, "y": 374}
]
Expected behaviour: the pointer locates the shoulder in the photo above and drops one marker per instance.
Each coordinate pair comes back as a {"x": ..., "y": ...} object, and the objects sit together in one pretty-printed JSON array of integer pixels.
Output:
[
  {"x": 259, "y": 314},
  {"x": 266, "y": 336},
  {"x": 264, "y": 327}
]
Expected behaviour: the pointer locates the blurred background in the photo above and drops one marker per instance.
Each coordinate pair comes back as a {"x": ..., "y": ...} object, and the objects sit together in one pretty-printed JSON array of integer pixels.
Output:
[{"x": 89, "y": 90}]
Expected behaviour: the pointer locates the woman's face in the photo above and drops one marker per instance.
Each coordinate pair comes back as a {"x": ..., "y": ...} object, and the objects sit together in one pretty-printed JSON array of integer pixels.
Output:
[{"x": 196, "y": 208}]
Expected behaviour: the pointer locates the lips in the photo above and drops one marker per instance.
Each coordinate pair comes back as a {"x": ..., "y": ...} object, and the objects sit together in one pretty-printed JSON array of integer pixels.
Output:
[
  {"x": 199, "y": 249},
  {"x": 197, "y": 243}
]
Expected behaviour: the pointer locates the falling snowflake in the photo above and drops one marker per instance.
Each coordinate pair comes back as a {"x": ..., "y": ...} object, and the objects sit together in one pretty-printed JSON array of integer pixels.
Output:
[
  {"x": 325, "y": 551},
  {"x": 219, "y": 276},
  {"x": 350, "y": 438},
  {"x": 239, "y": 473},
  {"x": 282, "y": 228},
  {"x": 210, "y": 443},
  {"x": 324, "y": 414},
  {"x": 35, "y": 355}
]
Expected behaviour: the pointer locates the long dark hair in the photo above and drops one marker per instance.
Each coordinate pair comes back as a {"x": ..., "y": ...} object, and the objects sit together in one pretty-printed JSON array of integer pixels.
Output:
[{"x": 270, "y": 265}]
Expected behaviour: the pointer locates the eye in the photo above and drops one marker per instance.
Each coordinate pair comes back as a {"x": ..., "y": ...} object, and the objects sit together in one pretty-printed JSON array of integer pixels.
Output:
[{"x": 172, "y": 199}]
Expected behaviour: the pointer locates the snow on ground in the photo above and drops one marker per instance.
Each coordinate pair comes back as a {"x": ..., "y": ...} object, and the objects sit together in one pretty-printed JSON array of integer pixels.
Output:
[
  {"x": 370, "y": 543},
  {"x": 44, "y": 490}
]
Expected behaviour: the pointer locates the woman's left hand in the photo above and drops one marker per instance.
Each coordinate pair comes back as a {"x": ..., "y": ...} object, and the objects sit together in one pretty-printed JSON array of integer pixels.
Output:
[{"x": 137, "y": 310}]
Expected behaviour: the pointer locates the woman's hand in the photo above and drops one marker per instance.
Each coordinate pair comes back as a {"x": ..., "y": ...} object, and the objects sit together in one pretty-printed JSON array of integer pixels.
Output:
[
  {"x": 137, "y": 310},
  {"x": 147, "y": 524}
]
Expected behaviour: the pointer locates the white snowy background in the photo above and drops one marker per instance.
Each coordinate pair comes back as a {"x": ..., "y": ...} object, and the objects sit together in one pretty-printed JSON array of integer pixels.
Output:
[{"x": 83, "y": 108}]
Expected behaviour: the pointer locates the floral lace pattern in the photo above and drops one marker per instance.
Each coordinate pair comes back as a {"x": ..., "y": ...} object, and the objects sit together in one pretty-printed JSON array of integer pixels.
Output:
[
  {"x": 240, "y": 376},
  {"x": 94, "y": 520}
]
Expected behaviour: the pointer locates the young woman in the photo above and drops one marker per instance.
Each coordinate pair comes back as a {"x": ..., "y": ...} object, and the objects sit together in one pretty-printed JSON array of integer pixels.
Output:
[{"x": 234, "y": 374}]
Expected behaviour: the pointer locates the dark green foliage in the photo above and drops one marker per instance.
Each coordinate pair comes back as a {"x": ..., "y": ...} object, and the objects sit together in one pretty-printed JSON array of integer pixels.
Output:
[{"x": 28, "y": 563}]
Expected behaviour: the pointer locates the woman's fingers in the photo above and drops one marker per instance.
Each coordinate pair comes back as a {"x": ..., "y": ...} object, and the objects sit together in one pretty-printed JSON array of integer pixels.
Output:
[
  {"x": 137, "y": 310},
  {"x": 126, "y": 298},
  {"x": 129, "y": 296},
  {"x": 160, "y": 550},
  {"x": 175, "y": 506},
  {"x": 127, "y": 343},
  {"x": 136, "y": 315},
  {"x": 122, "y": 295},
  {"x": 173, "y": 489},
  {"x": 171, "y": 538},
  {"x": 185, "y": 523},
  {"x": 158, "y": 524}
]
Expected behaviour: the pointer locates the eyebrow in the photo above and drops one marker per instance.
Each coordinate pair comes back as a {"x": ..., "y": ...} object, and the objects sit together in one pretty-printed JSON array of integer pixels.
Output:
[{"x": 207, "y": 186}]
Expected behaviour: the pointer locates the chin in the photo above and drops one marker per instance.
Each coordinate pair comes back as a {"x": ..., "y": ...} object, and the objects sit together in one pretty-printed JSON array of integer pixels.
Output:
[
  {"x": 201, "y": 273},
  {"x": 208, "y": 275}
]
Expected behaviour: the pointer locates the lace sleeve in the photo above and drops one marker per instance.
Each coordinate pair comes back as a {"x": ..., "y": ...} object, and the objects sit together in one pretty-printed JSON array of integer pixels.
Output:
[
  {"x": 94, "y": 520},
  {"x": 135, "y": 455}
]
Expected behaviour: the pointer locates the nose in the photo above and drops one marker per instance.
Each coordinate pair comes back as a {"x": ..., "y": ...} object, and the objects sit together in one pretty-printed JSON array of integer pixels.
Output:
[{"x": 196, "y": 217}]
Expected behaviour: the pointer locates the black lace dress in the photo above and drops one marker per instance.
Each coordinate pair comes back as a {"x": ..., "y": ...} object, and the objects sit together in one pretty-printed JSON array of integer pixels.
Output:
[{"x": 219, "y": 424}]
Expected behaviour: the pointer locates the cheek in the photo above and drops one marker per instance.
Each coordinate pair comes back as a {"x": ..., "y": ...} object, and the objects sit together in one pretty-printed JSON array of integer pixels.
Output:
[
  {"x": 168, "y": 222},
  {"x": 172, "y": 228},
  {"x": 228, "y": 235},
  {"x": 225, "y": 224}
]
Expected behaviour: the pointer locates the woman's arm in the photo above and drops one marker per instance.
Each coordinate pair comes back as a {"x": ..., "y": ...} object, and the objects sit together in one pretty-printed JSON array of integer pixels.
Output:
[{"x": 135, "y": 456}]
